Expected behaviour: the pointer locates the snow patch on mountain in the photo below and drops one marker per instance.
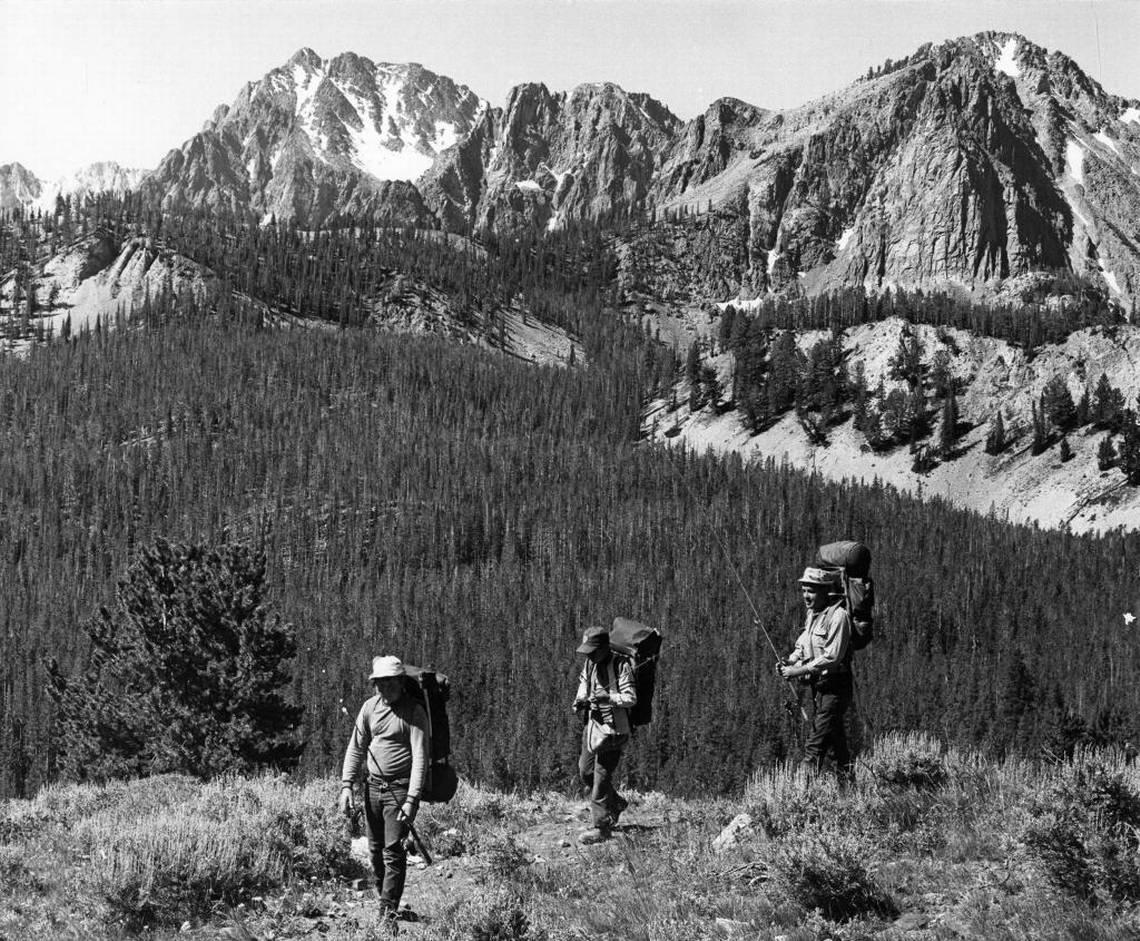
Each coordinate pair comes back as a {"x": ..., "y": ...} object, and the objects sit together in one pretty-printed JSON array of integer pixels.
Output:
[
  {"x": 1130, "y": 115},
  {"x": 1007, "y": 59},
  {"x": 386, "y": 142},
  {"x": 1108, "y": 142},
  {"x": 1075, "y": 161},
  {"x": 386, "y": 160},
  {"x": 845, "y": 238}
]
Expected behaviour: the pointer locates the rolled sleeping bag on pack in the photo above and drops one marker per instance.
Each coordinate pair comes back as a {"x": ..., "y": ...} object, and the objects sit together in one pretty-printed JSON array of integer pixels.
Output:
[{"x": 853, "y": 557}]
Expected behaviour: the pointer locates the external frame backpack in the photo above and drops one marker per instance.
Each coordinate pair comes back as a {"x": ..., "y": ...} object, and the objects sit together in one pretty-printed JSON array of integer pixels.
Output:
[
  {"x": 433, "y": 690},
  {"x": 853, "y": 559},
  {"x": 642, "y": 645}
]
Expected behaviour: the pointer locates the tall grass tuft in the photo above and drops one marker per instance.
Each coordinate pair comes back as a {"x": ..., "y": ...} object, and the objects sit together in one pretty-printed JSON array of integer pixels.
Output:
[{"x": 163, "y": 853}]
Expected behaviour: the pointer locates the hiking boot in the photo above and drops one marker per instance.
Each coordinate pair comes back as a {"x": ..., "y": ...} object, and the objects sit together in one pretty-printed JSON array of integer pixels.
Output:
[
  {"x": 389, "y": 921},
  {"x": 619, "y": 807},
  {"x": 595, "y": 835}
]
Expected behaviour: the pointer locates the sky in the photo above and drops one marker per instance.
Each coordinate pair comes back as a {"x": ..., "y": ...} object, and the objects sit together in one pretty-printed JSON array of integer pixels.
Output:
[{"x": 128, "y": 80}]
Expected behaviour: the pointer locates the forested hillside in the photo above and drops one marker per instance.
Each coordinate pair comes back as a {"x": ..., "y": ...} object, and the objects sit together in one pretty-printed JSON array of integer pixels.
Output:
[{"x": 471, "y": 512}]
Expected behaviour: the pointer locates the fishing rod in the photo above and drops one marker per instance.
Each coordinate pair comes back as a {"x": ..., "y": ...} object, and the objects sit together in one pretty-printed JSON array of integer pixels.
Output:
[{"x": 793, "y": 700}]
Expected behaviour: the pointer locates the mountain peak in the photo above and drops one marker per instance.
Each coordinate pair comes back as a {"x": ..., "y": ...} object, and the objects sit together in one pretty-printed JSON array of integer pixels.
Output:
[{"x": 306, "y": 58}]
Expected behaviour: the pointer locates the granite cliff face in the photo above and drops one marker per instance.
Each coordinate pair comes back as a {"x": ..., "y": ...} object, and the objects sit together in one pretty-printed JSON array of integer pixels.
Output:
[
  {"x": 968, "y": 162},
  {"x": 546, "y": 158},
  {"x": 319, "y": 138}
]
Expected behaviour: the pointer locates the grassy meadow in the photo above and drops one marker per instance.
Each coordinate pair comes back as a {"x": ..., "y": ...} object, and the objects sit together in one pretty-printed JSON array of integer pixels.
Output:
[{"x": 930, "y": 842}]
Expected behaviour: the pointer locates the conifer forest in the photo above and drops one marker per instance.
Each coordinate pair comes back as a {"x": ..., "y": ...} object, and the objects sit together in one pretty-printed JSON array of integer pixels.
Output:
[{"x": 466, "y": 510}]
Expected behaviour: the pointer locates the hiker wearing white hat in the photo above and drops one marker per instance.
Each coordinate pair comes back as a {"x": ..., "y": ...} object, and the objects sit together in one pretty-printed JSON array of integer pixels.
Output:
[
  {"x": 820, "y": 658},
  {"x": 389, "y": 744}
]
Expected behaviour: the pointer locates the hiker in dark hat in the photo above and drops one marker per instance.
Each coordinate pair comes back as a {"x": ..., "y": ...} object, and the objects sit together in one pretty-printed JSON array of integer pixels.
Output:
[
  {"x": 820, "y": 658},
  {"x": 389, "y": 743},
  {"x": 606, "y": 692}
]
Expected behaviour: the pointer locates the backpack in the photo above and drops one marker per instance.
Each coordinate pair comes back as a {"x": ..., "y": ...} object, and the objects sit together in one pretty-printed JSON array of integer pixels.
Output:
[
  {"x": 853, "y": 559},
  {"x": 432, "y": 690},
  {"x": 642, "y": 645}
]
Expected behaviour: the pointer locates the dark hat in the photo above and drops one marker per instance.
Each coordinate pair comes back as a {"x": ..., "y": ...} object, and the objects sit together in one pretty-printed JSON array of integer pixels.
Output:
[{"x": 595, "y": 638}]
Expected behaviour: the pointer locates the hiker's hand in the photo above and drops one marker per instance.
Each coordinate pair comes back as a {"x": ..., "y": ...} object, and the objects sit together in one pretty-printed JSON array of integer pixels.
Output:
[
  {"x": 344, "y": 803},
  {"x": 580, "y": 704},
  {"x": 601, "y": 697},
  {"x": 407, "y": 813}
]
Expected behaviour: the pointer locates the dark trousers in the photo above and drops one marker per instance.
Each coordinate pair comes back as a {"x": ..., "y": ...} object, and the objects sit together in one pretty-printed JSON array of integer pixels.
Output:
[
  {"x": 597, "y": 770},
  {"x": 831, "y": 696},
  {"x": 386, "y": 839}
]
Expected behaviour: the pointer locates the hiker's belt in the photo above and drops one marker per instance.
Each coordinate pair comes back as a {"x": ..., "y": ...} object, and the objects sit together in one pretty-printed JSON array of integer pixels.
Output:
[{"x": 387, "y": 779}]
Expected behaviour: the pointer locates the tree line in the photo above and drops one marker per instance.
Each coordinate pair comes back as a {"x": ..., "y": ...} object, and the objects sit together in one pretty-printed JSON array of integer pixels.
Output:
[{"x": 473, "y": 513}]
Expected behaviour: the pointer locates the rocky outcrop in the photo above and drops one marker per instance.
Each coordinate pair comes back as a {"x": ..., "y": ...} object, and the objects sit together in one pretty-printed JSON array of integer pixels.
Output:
[{"x": 19, "y": 187}]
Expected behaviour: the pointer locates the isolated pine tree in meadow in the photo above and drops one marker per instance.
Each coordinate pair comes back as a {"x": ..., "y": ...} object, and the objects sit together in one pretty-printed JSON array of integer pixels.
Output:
[{"x": 186, "y": 674}]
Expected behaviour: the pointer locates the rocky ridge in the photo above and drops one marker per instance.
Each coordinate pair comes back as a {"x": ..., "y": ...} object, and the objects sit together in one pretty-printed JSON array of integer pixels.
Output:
[
  {"x": 21, "y": 189},
  {"x": 102, "y": 276}
]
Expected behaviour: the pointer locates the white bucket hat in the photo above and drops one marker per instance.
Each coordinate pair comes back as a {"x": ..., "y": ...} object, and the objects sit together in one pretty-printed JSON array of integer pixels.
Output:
[
  {"x": 823, "y": 578},
  {"x": 384, "y": 667}
]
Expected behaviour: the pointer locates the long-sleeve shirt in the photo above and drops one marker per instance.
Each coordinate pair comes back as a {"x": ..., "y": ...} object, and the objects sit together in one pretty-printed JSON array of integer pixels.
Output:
[
  {"x": 825, "y": 639},
  {"x": 618, "y": 683},
  {"x": 390, "y": 742}
]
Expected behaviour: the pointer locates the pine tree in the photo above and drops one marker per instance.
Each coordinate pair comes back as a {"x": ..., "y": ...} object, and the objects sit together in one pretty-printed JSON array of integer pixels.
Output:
[
  {"x": 996, "y": 439},
  {"x": 949, "y": 432},
  {"x": 186, "y": 674},
  {"x": 1057, "y": 404},
  {"x": 1106, "y": 456},
  {"x": 1040, "y": 439},
  {"x": 1107, "y": 405},
  {"x": 1129, "y": 454}
]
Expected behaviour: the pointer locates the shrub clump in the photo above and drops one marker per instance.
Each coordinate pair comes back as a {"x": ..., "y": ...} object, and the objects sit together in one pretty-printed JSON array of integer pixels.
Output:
[
  {"x": 912, "y": 761},
  {"x": 825, "y": 872},
  {"x": 1086, "y": 835}
]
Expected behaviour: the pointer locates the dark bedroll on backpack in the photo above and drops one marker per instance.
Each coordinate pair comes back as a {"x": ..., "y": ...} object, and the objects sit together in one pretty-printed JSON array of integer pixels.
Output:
[
  {"x": 853, "y": 559},
  {"x": 642, "y": 644},
  {"x": 433, "y": 690}
]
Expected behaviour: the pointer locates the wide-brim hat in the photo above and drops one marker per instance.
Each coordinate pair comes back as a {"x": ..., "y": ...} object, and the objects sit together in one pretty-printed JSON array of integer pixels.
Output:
[
  {"x": 385, "y": 667},
  {"x": 831, "y": 579},
  {"x": 595, "y": 638}
]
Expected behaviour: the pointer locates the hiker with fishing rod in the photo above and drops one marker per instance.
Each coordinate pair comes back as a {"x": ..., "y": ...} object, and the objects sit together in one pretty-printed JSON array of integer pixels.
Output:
[
  {"x": 606, "y": 693},
  {"x": 821, "y": 659},
  {"x": 389, "y": 743}
]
